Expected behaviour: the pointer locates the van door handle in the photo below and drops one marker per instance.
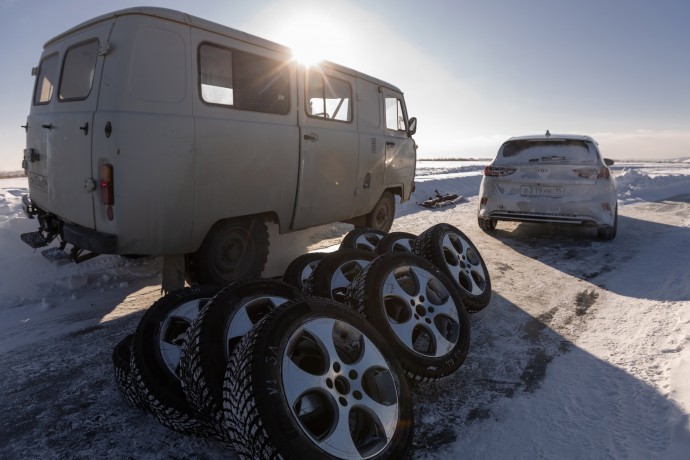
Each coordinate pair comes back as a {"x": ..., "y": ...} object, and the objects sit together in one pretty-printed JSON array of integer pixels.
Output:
[
  {"x": 390, "y": 144},
  {"x": 49, "y": 126},
  {"x": 311, "y": 137},
  {"x": 85, "y": 128}
]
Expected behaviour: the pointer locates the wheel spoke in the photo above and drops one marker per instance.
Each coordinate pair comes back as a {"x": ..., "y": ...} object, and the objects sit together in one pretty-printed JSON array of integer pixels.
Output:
[
  {"x": 387, "y": 414},
  {"x": 340, "y": 440},
  {"x": 404, "y": 332},
  {"x": 322, "y": 330},
  {"x": 392, "y": 288},
  {"x": 447, "y": 308},
  {"x": 443, "y": 345},
  {"x": 296, "y": 381},
  {"x": 170, "y": 354}
]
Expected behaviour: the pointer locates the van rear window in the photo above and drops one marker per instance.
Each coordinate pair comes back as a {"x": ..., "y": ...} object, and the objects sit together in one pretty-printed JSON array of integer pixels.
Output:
[
  {"x": 45, "y": 80},
  {"x": 77, "y": 71},
  {"x": 243, "y": 80}
]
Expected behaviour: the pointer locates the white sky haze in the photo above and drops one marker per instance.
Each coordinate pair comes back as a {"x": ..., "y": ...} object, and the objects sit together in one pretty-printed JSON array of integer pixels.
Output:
[{"x": 473, "y": 73}]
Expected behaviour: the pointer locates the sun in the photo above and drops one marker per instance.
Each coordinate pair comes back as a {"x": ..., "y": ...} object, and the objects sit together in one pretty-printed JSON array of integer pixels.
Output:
[{"x": 315, "y": 38}]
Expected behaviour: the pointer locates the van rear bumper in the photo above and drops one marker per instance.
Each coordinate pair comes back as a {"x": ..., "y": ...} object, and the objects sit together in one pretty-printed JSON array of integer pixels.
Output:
[{"x": 91, "y": 240}]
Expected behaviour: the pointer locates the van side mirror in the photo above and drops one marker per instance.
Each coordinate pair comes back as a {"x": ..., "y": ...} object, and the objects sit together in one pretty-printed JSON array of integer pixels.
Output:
[
  {"x": 412, "y": 127},
  {"x": 608, "y": 162}
]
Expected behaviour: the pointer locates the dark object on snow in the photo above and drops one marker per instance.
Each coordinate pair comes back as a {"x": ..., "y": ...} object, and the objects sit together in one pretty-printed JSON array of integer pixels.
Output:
[{"x": 441, "y": 200}]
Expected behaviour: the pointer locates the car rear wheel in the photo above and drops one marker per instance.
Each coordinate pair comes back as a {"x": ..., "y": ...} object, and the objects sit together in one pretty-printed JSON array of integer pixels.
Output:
[
  {"x": 487, "y": 225},
  {"x": 608, "y": 232}
]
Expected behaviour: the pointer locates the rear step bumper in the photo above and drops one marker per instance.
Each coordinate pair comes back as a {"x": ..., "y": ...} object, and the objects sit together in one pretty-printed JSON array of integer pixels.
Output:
[{"x": 91, "y": 240}]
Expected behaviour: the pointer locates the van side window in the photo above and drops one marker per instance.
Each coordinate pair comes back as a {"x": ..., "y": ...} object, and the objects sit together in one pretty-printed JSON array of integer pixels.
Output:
[
  {"x": 243, "y": 81},
  {"x": 328, "y": 97},
  {"x": 45, "y": 80},
  {"x": 78, "y": 70},
  {"x": 395, "y": 117}
]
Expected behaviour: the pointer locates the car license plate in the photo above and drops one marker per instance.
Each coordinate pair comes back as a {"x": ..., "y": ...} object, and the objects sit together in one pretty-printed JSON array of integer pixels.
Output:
[{"x": 542, "y": 190}]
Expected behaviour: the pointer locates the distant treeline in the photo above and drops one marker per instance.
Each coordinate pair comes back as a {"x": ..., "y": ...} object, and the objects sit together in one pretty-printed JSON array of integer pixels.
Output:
[
  {"x": 453, "y": 159},
  {"x": 11, "y": 174}
]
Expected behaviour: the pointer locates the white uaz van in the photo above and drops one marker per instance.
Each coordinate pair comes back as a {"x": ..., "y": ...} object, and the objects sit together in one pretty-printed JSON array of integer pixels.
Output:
[{"x": 155, "y": 132}]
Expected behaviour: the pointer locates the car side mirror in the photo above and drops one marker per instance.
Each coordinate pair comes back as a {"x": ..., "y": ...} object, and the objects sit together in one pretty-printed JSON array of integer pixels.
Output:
[
  {"x": 608, "y": 161},
  {"x": 412, "y": 128}
]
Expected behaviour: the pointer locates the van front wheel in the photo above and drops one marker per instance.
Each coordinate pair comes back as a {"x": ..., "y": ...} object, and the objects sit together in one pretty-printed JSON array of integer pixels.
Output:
[
  {"x": 233, "y": 249},
  {"x": 381, "y": 217}
]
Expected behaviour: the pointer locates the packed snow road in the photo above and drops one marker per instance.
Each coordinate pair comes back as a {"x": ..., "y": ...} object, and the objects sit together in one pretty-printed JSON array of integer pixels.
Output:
[{"x": 583, "y": 351}]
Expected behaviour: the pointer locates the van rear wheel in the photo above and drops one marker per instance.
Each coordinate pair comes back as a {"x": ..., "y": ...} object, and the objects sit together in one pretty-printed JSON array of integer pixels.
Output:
[{"x": 233, "y": 249}]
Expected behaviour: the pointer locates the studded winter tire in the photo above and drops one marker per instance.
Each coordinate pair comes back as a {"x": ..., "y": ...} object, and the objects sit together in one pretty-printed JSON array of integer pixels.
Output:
[
  {"x": 216, "y": 332},
  {"x": 395, "y": 242},
  {"x": 315, "y": 380},
  {"x": 123, "y": 376},
  {"x": 332, "y": 277},
  {"x": 455, "y": 255},
  {"x": 155, "y": 358},
  {"x": 362, "y": 238},
  {"x": 418, "y": 311},
  {"x": 301, "y": 268}
]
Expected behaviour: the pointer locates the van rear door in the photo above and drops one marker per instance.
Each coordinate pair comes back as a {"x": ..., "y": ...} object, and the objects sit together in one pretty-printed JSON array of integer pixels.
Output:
[{"x": 60, "y": 123}]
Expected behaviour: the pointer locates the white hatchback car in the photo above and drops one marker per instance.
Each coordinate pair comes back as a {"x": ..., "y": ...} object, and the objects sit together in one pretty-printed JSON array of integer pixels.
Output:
[{"x": 549, "y": 178}]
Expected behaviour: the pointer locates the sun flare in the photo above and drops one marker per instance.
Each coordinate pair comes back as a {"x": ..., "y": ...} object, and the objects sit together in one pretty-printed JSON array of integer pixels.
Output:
[{"x": 314, "y": 38}]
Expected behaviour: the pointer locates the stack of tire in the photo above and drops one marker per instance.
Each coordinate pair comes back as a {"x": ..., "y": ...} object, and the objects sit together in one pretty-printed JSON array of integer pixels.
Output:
[{"x": 318, "y": 364}]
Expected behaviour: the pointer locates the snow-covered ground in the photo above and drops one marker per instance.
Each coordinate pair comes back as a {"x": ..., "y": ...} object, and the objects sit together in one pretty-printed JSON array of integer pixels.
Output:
[{"x": 583, "y": 352}]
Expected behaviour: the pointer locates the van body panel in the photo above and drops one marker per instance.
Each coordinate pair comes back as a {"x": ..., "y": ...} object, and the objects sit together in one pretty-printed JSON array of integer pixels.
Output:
[
  {"x": 147, "y": 103},
  {"x": 246, "y": 161}
]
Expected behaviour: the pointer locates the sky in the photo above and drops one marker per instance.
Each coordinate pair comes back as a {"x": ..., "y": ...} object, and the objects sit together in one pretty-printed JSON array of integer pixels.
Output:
[{"x": 473, "y": 73}]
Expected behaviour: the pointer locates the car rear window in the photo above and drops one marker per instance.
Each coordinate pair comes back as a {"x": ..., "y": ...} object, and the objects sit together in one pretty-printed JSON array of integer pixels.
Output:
[{"x": 551, "y": 150}]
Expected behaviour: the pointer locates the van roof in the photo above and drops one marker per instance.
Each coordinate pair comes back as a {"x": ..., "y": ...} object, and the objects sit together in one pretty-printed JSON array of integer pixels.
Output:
[{"x": 193, "y": 21}]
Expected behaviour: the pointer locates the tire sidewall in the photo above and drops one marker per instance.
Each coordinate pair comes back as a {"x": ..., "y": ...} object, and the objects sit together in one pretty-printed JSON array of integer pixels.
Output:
[
  {"x": 272, "y": 406},
  {"x": 426, "y": 366},
  {"x": 217, "y": 319},
  {"x": 428, "y": 245}
]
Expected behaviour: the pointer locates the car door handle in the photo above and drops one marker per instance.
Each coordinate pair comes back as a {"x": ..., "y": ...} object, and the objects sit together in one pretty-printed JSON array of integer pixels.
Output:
[
  {"x": 311, "y": 137},
  {"x": 390, "y": 144},
  {"x": 48, "y": 126}
]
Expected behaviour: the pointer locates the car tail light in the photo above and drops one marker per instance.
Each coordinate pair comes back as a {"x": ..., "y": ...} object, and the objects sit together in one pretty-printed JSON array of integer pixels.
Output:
[
  {"x": 591, "y": 173},
  {"x": 496, "y": 171},
  {"x": 107, "y": 192},
  {"x": 604, "y": 173}
]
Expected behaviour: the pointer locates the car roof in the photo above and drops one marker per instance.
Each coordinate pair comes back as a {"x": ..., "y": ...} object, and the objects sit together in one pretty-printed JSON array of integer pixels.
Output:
[{"x": 554, "y": 137}]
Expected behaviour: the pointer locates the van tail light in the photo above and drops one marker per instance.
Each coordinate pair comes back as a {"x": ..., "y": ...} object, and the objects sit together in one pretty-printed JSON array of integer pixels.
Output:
[
  {"x": 496, "y": 171},
  {"x": 107, "y": 192}
]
